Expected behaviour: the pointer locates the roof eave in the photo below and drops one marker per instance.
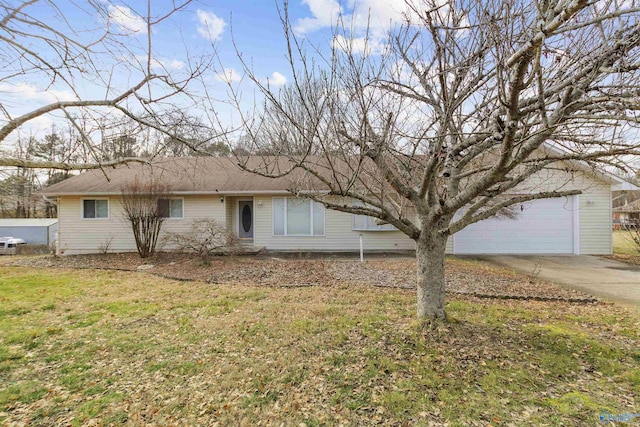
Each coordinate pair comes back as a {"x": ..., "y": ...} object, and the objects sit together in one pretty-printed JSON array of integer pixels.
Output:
[
  {"x": 616, "y": 182},
  {"x": 622, "y": 185},
  {"x": 179, "y": 193}
]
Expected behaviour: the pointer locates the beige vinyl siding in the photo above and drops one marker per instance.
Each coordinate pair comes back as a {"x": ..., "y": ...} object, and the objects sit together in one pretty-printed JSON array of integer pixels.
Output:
[
  {"x": 229, "y": 203},
  {"x": 594, "y": 226},
  {"x": 338, "y": 234},
  {"x": 594, "y": 215},
  {"x": 78, "y": 235},
  {"x": 595, "y": 221}
]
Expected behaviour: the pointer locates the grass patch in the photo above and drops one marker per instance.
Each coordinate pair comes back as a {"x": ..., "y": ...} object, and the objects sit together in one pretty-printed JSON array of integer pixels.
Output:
[
  {"x": 22, "y": 392},
  {"x": 96, "y": 407},
  {"x": 624, "y": 245},
  {"x": 22, "y": 291},
  {"x": 569, "y": 402},
  {"x": 121, "y": 347}
]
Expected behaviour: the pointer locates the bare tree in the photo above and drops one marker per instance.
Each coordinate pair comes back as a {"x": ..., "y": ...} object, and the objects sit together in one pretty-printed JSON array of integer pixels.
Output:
[
  {"x": 101, "y": 44},
  {"x": 143, "y": 208},
  {"x": 17, "y": 191},
  {"x": 190, "y": 136},
  {"x": 453, "y": 115}
]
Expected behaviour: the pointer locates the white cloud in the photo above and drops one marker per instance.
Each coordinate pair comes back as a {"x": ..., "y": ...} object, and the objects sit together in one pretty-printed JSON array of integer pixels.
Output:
[
  {"x": 372, "y": 19},
  {"x": 160, "y": 63},
  {"x": 211, "y": 27},
  {"x": 29, "y": 92},
  {"x": 358, "y": 45},
  {"x": 229, "y": 76},
  {"x": 127, "y": 20},
  {"x": 325, "y": 14},
  {"x": 376, "y": 15},
  {"x": 365, "y": 29},
  {"x": 173, "y": 64},
  {"x": 38, "y": 126},
  {"x": 380, "y": 15},
  {"x": 276, "y": 79}
]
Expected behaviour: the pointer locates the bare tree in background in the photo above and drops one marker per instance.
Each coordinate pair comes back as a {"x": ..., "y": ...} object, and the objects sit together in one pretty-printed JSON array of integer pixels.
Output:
[
  {"x": 187, "y": 135},
  {"x": 450, "y": 118},
  {"x": 142, "y": 208},
  {"x": 17, "y": 190},
  {"x": 79, "y": 43}
]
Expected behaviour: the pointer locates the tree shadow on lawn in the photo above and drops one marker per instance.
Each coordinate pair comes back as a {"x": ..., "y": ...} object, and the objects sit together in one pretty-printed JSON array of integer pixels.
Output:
[{"x": 319, "y": 355}]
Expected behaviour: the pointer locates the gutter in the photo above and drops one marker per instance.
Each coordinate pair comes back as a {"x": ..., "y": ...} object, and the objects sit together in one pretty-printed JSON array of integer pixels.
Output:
[
  {"x": 183, "y": 193},
  {"x": 623, "y": 185}
]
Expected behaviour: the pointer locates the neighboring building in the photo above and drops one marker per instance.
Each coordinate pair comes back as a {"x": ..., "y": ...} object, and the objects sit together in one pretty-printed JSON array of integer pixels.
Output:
[
  {"x": 264, "y": 213},
  {"x": 628, "y": 214},
  {"x": 34, "y": 231},
  {"x": 624, "y": 197}
]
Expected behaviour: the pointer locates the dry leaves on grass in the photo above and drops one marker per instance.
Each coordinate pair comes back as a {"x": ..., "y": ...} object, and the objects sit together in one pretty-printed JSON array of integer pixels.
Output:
[
  {"x": 462, "y": 276},
  {"x": 129, "y": 348}
]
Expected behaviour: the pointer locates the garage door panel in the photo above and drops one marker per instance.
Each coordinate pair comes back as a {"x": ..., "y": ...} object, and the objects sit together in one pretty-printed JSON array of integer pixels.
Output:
[{"x": 540, "y": 227}]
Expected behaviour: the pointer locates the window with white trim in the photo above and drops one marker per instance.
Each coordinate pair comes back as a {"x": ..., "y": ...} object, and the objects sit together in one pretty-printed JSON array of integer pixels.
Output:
[
  {"x": 297, "y": 217},
  {"x": 369, "y": 223},
  {"x": 95, "y": 208},
  {"x": 171, "y": 208}
]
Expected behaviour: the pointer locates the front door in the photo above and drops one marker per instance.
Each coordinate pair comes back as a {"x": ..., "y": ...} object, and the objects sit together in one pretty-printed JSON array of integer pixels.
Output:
[{"x": 245, "y": 219}]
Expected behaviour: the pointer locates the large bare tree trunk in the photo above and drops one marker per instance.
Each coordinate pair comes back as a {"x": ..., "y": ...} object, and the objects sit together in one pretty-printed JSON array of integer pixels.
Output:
[{"x": 430, "y": 257}]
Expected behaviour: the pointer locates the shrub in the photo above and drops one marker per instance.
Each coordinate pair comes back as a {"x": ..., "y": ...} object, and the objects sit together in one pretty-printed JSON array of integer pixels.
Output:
[{"x": 206, "y": 238}]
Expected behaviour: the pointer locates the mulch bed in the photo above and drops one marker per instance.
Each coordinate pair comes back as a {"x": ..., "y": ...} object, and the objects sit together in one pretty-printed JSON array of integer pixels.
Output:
[{"x": 462, "y": 277}]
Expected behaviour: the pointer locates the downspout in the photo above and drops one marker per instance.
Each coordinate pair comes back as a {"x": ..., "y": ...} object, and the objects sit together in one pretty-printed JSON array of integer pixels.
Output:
[{"x": 57, "y": 235}]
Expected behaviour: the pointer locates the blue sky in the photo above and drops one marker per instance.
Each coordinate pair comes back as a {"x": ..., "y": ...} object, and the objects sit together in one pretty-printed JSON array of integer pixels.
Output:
[
  {"x": 256, "y": 28},
  {"x": 201, "y": 28}
]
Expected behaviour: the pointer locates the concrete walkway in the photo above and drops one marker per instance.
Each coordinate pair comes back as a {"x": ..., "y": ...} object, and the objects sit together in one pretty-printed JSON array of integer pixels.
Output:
[{"x": 608, "y": 279}]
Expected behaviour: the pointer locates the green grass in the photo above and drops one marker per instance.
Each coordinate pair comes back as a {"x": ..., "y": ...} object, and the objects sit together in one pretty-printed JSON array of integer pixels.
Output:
[
  {"x": 623, "y": 244},
  {"x": 123, "y": 348}
]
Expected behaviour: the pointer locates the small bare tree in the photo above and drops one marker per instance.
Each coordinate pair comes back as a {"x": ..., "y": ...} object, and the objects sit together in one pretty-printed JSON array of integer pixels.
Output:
[
  {"x": 141, "y": 206},
  {"x": 206, "y": 238}
]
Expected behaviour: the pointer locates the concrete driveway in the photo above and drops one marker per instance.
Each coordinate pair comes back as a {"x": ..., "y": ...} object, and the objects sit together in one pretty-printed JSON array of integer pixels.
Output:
[{"x": 611, "y": 280}]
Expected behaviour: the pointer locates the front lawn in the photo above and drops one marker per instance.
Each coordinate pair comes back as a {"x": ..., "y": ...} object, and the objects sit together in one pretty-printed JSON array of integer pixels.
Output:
[
  {"x": 623, "y": 244},
  {"x": 624, "y": 248},
  {"x": 111, "y": 348}
]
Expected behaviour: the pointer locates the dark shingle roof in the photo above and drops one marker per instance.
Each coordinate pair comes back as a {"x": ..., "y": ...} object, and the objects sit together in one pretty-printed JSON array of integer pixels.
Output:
[{"x": 215, "y": 175}]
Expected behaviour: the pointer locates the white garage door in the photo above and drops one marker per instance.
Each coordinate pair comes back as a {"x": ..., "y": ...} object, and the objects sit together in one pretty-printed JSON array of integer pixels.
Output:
[{"x": 542, "y": 226}]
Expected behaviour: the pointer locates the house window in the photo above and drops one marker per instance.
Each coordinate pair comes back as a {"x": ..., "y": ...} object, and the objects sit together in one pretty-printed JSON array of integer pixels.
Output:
[
  {"x": 297, "y": 217},
  {"x": 95, "y": 208},
  {"x": 369, "y": 223},
  {"x": 170, "y": 208}
]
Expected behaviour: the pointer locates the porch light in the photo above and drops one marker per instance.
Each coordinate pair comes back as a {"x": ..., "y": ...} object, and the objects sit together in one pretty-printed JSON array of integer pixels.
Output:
[
  {"x": 222, "y": 199},
  {"x": 259, "y": 203}
]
